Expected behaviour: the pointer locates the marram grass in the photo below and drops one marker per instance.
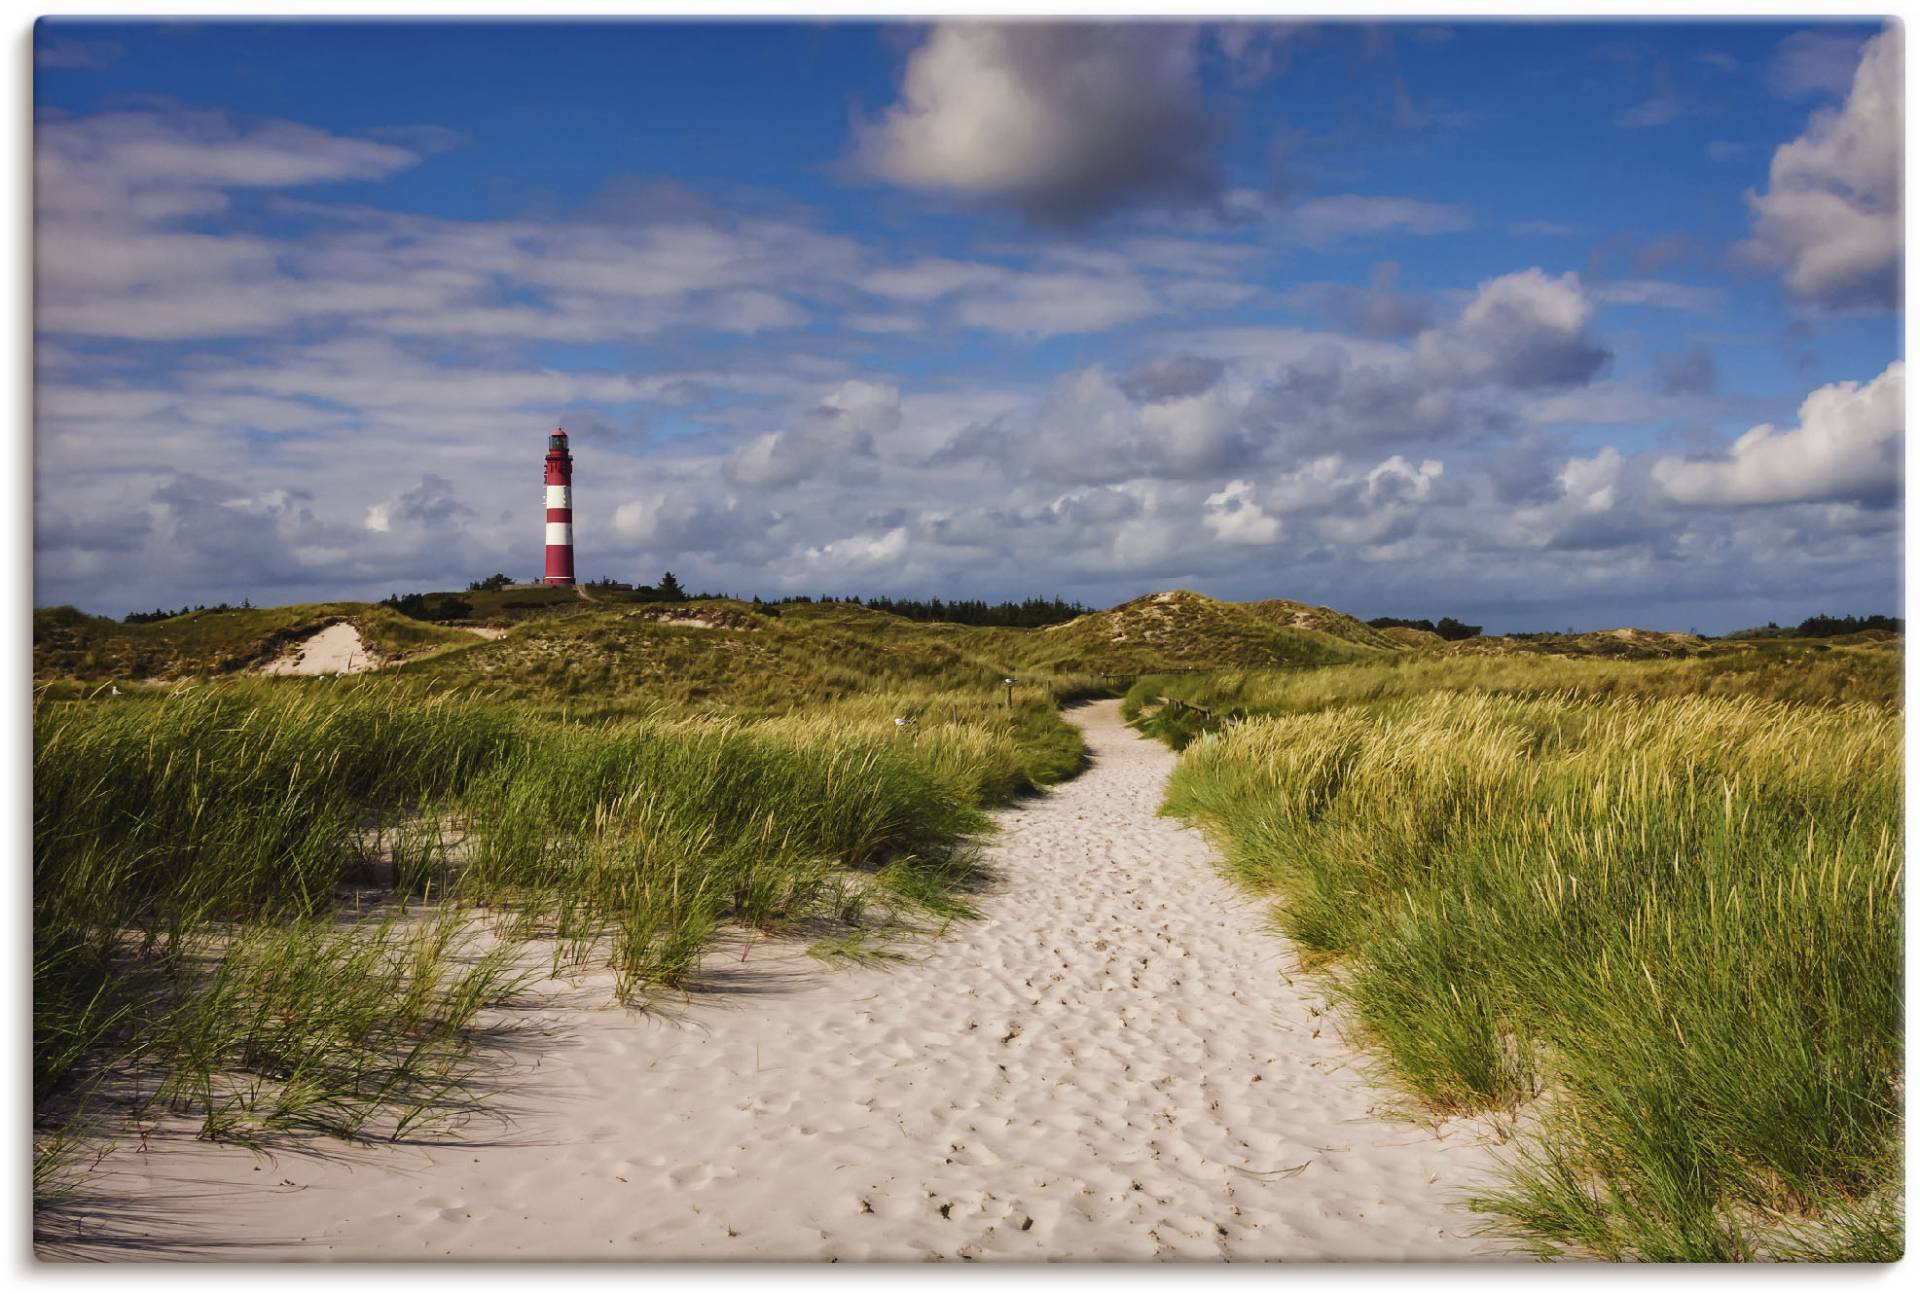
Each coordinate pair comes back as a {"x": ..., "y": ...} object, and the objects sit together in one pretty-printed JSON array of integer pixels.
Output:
[
  {"x": 201, "y": 856},
  {"x": 1672, "y": 926},
  {"x": 1803, "y": 673}
]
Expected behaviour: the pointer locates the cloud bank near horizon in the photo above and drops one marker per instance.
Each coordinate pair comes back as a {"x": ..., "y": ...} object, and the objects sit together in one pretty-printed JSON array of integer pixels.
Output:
[{"x": 253, "y": 384}]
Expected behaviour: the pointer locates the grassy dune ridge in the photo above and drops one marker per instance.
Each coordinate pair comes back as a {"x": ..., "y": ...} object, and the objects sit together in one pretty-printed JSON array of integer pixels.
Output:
[
  {"x": 1671, "y": 914},
  {"x": 202, "y": 857},
  {"x": 714, "y": 649},
  {"x": 1800, "y": 672},
  {"x": 68, "y": 644}
]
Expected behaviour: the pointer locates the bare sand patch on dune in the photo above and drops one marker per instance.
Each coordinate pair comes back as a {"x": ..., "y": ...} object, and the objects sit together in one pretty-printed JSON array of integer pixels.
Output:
[
  {"x": 336, "y": 649},
  {"x": 1113, "y": 1064}
]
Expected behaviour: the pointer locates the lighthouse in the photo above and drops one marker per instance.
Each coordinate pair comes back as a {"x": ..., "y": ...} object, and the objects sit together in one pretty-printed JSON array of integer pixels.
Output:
[{"x": 559, "y": 510}]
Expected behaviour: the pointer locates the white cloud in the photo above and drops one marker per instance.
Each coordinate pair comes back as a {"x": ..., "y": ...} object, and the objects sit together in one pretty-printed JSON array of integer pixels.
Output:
[
  {"x": 1234, "y": 517},
  {"x": 1846, "y": 448},
  {"x": 841, "y": 433},
  {"x": 1063, "y": 121},
  {"x": 117, "y": 257},
  {"x": 154, "y": 163},
  {"x": 1830, "y": 219},
  {"x": 1592, "y": 484},
  {"x": 1396, "y": 478},
  {"x": 1522, "y": 330},
  {"x": 775, "y": 458},
  {"x": 858, "y": 553}
]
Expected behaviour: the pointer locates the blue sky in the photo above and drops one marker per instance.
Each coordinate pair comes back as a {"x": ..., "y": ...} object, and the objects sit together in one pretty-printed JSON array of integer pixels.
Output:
[{"x": 1404, "y": 318}]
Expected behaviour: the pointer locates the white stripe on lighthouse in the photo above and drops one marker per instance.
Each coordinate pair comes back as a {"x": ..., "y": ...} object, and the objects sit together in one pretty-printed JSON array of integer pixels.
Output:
[
  {"x": 559, "y": 496},
  {"x": 560, "y": 534}
]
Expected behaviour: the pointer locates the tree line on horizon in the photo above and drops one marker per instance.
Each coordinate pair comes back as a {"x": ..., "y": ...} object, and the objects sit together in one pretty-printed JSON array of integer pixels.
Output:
[
  {"x": 1028, "y": 613},
  {"x": 158, "y": 613},
  {"x": 1825, "y": 626},
  {"x": 1447, "y": 627}
]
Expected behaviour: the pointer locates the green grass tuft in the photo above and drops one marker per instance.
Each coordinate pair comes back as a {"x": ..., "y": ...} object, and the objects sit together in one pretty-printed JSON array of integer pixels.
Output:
[{"x": 1677, "y": 922}]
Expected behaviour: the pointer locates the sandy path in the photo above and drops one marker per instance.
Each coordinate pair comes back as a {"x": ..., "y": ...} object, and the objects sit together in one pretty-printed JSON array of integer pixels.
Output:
[{"x": 1110, "y": 1066}]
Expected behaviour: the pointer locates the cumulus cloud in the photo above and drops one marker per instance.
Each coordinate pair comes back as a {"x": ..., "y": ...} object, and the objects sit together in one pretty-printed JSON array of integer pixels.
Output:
[
  {"x": 775, "y": 458},
  {"x": 1591, "y": 484},
  {"x": 1065, "y": 122},
  {"x": 1846, "y": 449},
  {"x": 1524, "y": 330},
  {"x": 838, "y": 433},
  {"x": 431, "y": 504},
  {"x": 1332, "y": 397},
  {"x": 1396, "y": 478},
  {"x": 1593, "y": 510},
  {"x": 1234, "y": 517},
  {"x": 682, "y": 518},
  {"x": 1830, "y": 219},
  {"x": 858, "y": 554}
]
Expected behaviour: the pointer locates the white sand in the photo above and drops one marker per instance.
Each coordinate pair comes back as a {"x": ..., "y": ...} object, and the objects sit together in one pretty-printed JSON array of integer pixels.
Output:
[
  {"x": 1112, "y": 1065},
  {"x": 337, "y": 649}
]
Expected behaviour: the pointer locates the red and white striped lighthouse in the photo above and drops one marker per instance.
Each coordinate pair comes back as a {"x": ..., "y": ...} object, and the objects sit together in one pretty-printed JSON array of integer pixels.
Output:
[{"x": 559, "y": 510}]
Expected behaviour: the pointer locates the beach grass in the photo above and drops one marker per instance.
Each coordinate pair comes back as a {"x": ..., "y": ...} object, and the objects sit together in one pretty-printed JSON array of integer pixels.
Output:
[
  {"x": 1805, "y": 673},
  {"x": 213, "y": 863},
  {"x": 1659, "y": 924}
]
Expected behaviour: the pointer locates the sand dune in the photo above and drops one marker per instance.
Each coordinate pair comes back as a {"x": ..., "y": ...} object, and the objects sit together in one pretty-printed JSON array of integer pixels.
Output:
[
  {"x": 1112, "y": 1065},
  {"x": 337, "y": 649}
]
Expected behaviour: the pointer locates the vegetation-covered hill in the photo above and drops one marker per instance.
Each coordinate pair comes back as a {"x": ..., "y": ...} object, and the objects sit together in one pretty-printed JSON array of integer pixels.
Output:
[
  {"x": 723, "y": 651},
  {"x": 71, "y": 644},
  {"x": 558, "y": 641},
  {"x": 561, "y": 642},
  {"x": 1179, "y": 630}
]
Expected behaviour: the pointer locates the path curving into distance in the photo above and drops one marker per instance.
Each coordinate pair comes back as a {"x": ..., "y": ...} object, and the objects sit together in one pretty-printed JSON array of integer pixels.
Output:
[{"x": 1111, "y": 1065}]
